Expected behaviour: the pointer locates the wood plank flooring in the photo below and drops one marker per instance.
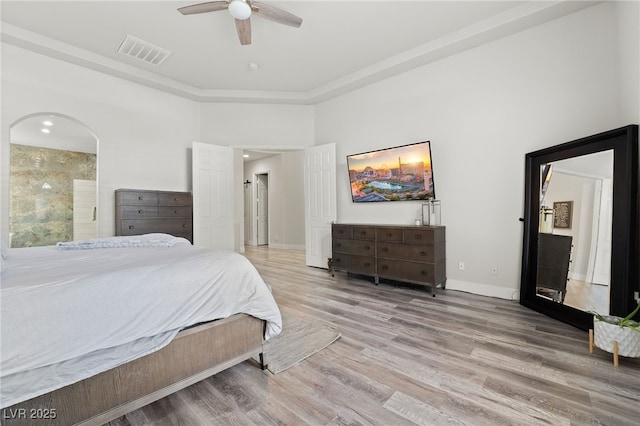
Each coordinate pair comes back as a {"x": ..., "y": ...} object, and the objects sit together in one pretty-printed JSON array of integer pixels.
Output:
[
  {"x": 587, "y": 297},
  {"x": 406, "y": 358}
]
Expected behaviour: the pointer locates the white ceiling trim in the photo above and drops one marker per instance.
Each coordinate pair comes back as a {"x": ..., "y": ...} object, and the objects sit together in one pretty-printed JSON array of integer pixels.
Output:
[{"x": 509, "y": 22}]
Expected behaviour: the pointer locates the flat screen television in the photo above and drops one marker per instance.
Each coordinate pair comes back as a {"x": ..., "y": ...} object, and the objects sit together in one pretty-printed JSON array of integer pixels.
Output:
[{"x": 402, "y": 173}]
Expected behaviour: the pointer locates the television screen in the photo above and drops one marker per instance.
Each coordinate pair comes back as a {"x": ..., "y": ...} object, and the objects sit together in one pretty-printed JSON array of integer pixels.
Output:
[{"x": 402, "y": 173}]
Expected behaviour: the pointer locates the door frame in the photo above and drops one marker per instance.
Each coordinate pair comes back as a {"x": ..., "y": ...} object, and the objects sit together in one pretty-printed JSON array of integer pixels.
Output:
[{"x": 255, "y": 209}]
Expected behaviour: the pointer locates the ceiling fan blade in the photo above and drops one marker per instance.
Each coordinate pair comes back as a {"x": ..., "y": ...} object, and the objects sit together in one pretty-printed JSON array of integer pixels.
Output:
[
  {"x": 210, "y": 6},
  {"x": 275, "y": 14},
  {"x": 243, "y": 26}
]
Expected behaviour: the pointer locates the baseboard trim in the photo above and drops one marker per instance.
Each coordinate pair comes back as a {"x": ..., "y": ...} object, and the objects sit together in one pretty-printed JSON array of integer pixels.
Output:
[
  {"x": 286, "y": 246},
  {"x": 484, "y": 289}
]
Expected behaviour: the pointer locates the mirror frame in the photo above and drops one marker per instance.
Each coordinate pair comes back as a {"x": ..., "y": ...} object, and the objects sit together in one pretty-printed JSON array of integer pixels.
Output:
[{"x": 624, "y": 245}]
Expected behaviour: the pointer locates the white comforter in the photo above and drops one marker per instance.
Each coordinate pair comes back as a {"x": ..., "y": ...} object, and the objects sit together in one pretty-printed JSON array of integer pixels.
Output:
[{"x": 68, "y": 315}]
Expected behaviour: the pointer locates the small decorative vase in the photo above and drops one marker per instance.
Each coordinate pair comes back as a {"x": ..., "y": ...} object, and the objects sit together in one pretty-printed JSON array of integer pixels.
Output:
[{"x": 604, "y": 334}]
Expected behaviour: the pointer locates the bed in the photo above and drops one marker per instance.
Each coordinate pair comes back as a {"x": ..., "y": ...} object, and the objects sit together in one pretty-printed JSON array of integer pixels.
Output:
[{"x": 93, "y": 330}]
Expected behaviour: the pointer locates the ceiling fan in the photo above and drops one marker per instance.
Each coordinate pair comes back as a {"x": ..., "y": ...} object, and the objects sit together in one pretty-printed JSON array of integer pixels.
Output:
[{"x": 241, "y": 10}]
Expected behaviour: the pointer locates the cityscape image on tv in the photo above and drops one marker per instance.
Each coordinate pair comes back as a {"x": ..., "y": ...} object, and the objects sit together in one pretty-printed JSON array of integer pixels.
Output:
[{"x": 396, "y": 174}]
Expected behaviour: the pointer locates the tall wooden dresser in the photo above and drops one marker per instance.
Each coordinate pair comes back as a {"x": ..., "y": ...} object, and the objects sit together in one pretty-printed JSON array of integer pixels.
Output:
[
  {"x": 414, "y": 254},
  {"x": 143, "y": 211},
  {"x": 554, "y": 259}
]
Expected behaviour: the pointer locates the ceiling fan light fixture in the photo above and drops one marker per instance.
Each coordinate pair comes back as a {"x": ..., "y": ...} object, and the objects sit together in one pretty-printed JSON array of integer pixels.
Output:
[{"x": 240, "y": 9}]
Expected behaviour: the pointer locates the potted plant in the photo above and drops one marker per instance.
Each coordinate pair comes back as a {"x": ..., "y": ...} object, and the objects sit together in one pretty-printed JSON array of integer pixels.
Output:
[{"x": 619, "y": 336}]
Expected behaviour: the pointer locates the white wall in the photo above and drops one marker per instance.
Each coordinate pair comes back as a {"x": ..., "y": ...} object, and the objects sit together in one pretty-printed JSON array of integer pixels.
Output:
[
  {"x": 483, "y": 110},
  {"x": 269, "y": 126},
  {"x": 144, "y": 135},
  {"x": 627, "y": 16}
]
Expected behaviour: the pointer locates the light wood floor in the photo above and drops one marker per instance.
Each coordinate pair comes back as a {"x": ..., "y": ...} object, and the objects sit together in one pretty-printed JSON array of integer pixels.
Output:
[
  {"x": 587, "y": 297},
  {"x": 406, "y": 358}
]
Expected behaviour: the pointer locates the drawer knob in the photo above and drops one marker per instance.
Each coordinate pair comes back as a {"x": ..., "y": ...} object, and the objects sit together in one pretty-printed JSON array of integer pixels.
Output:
[
  {"x": 176, "y": 211},
  {"x": 367, "y": 248},
  {"x": 338, "y": 245},
  {"x": 418, "y": 236},
  {"x": 140, "y": 211},
  {"x": 423, "y": 273},
  {"x": 423, "y": 253},
  {"x": 185, "y": 225},
  {"x": 140, "y": 197},
  {"x": 176, "y": 199},
  {"x": 385, "y": 249},
  {"x": 367, "y": 264},
  {"x": 388, "y": 234},
  {"x": 132, "y": 227},
  {"x": 363, "y": 233}
]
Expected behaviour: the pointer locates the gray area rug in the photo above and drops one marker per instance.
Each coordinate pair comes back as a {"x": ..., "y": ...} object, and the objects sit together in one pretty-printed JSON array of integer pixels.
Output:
[{"x": 298, "y": 340}]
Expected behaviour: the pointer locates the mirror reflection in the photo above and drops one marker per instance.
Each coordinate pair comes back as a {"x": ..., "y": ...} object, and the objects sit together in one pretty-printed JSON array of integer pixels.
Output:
[
  {"x": 52, "y": 184},
  {"x": 575, "y": 230}
]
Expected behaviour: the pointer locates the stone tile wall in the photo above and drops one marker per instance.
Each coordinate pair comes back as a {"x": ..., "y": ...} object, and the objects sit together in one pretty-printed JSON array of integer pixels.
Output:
[{"x": 41, "y": 191}]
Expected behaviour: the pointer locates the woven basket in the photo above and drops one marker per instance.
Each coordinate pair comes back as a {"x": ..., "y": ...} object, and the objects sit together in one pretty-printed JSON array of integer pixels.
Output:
[{"x": 604, "y": 334}]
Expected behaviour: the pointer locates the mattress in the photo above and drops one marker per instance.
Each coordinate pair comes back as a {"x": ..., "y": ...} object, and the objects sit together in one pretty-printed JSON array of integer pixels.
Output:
[{"x": 66, "y": 315}]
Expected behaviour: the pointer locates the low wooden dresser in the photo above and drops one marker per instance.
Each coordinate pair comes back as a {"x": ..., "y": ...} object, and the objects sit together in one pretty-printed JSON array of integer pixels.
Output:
[
  {"x": 143, "y": 211},
  {"x": 414, "y": 254}
]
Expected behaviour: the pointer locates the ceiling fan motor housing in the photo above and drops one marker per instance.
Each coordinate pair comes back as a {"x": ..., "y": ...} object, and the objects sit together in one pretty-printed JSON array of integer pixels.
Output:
[{"x": 240, "y": 9}]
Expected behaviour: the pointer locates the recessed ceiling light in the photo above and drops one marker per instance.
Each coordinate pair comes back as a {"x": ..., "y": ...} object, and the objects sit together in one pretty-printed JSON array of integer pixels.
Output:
[
  {"x": 45, "y": 130},
  {"x": 245, "y": 155},
  {"x": 47, "y": 123}
]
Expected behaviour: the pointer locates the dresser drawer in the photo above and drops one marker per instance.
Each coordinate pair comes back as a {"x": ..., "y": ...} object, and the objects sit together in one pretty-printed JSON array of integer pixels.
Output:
[
  {"x": 136, "y": 198},
  {"x": 353, "y": 263},
  {"x": 175, "y": 211},
  {"x": 341, "y": 231},
  {"x": 414, "y": 252},
  {"x": 361, "y": 247},
  {"x": 418, "y": 236},
  {"x": 364, "y": 233},
  {"x": 410, "y": 271},
  {"x": 174, "y": 199},
  {"x": 138, "y": 212},
  {"x": 389, "y": 234},
  {"x": 166, "y": 226}
]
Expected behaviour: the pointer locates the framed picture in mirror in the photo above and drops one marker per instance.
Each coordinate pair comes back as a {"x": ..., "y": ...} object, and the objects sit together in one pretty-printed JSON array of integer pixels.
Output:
[{"x": 563, "y": 213}]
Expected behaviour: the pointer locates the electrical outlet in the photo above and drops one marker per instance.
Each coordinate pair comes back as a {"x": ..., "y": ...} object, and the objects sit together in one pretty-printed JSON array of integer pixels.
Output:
[
  {"x": 494, "y": 270},
  {"x": 460, "y": 266}
]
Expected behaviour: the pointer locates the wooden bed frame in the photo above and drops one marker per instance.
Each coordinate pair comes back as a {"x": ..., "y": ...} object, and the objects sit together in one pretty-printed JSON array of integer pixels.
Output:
[{"x": 195, "y": 354}]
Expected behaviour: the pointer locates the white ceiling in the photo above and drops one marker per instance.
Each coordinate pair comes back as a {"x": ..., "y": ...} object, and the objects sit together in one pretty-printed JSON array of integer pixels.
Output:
[{"x": 341, "y": 45}]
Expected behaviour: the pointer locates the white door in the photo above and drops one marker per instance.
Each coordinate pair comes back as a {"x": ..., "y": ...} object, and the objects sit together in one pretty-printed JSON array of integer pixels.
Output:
[
  {"x": 212, "y": 196},
  {"x": 263, "y": 209},
  {"x": 600, "y": 269},
  {"x": 84, "y": 209},
  {"x": 320, "y": 202}
]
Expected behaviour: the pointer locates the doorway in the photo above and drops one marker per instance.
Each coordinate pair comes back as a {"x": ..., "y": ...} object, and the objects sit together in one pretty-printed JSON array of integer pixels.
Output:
[{"x": 262, "y": 208}]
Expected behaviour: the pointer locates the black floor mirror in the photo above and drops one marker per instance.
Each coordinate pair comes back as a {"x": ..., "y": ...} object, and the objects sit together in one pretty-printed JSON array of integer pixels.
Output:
[{"x": 581, "y": 228}]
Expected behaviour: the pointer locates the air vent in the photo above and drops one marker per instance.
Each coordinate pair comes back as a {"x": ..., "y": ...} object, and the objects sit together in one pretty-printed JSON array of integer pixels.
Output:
[{"x": 143, "y": 50}]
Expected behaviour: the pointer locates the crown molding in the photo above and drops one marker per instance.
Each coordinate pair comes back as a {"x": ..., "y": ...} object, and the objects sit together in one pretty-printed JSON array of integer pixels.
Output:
[{"x": 514, "y": 20}]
